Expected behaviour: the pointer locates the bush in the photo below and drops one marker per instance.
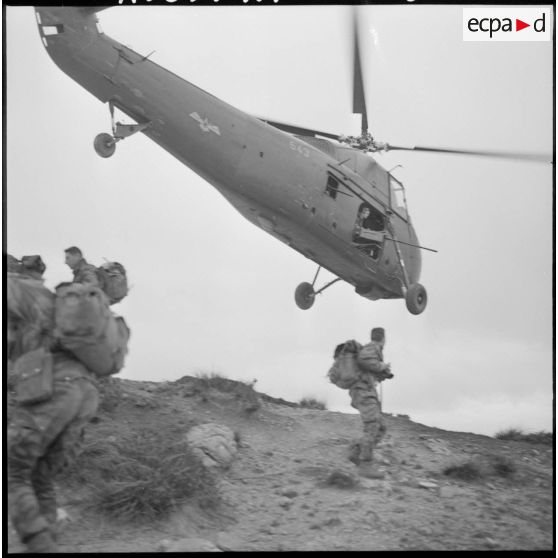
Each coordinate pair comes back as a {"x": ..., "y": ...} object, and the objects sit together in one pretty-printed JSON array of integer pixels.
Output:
[
  {"x": 340, "y": 479},
  {"x": 312, "y": 403},
  {"x": 468, "y": 471},
  {"x": 243, "y": 391},
  {"x": 517, "y": 435},
  {"x": 110, "y": 395},
  {"x": 144, "y": 475},
  {"x": 481, "y": 467},
  {"x": 213, "y": 380},
  {"x": 502, "y": 466}
]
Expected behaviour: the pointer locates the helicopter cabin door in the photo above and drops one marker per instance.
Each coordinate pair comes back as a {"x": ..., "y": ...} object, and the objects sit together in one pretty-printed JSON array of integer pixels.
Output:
[{"x": 345, "y": 211}]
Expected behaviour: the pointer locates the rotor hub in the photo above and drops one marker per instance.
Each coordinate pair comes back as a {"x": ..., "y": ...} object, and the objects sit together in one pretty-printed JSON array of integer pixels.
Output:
[{"x": 364, "y": 142}]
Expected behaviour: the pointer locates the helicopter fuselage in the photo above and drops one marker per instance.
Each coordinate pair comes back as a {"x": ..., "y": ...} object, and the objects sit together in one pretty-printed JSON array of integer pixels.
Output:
[{"x": 306, "y": 192}]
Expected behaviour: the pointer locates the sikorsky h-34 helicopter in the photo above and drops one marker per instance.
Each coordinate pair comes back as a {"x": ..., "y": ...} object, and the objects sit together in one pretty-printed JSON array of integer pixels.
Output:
[{"x": 320, "y": 193}]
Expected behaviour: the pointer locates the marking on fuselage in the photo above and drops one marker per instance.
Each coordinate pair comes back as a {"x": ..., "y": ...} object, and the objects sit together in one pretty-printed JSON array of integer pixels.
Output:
[{"x": 205, "y": 125}]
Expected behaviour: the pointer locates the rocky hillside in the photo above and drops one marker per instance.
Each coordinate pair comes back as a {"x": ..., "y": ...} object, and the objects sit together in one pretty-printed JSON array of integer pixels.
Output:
[{"x": 208, "y": 464}]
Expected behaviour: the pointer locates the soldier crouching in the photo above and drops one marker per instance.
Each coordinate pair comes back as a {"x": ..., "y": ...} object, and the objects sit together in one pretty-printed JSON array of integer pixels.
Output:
[{"x": 43, "y": 438}]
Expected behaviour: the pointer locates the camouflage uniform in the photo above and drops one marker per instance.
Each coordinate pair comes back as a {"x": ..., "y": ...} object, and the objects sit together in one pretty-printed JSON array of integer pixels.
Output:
[
  {"x": 43, "y": 437},
  {"x": 86, "y": 273},
  {"x": 364, "y": 398}
]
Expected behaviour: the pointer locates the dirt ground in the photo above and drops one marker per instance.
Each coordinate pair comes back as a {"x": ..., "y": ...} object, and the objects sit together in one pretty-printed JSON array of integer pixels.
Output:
[{"x": 292, "y": 488}]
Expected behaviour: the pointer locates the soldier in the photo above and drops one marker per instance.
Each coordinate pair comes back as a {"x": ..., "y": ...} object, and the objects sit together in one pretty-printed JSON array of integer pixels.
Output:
[
  {"x": 33, "y": 266},
  {"x": 13, "y": 265},
  {"x": 83, "y": 272},
  {"x": 43, "y": 436},
  {"x": 364, "y": 397}
]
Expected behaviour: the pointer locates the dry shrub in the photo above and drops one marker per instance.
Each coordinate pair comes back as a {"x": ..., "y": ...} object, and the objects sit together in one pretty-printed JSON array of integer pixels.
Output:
[
  {"x": 242, "y": 391},
  {"x": 312, "y": 403},
  {"x": 214, "y": 380},
  {"x": 110, "y": 395},
  {"x": 517, "y": 435},
  {"x": 468, "y": 471},
  {"x": 144, "y": 476},
  {"x": 340, "y": 479},
  {"x": 481, "y": 467},
  {"x": 502, "y": 466}
]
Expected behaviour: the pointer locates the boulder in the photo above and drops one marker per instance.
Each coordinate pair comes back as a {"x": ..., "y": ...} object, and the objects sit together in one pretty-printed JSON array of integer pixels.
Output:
[{"x": 215, "y": 444}]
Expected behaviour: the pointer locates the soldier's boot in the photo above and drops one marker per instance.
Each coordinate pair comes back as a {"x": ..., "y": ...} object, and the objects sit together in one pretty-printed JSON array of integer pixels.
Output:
[
  {"x": 42, "y": 541},
  {"x": 354, "y": 453},
  {"x": 365, "y": 450},
  {"x": 369, "y": 470},
  {"x": 366, "y": 468},
  {"x": 52, "y": 519}
]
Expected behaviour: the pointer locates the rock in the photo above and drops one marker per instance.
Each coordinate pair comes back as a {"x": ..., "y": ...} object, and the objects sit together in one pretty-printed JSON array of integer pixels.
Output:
[
  {"x": 213, "y": 443},
  {"x": 372, "y": 484},
  {"x": 290, "y": 493},
  {"x": 424, "y": 530},
  {"x": 341, "y": 479},
  {"x": 409, "y": 482},
  {"x": 192, "y": 545},
  {"x": 427, "y": 484},
  {"x": 230, "y": 542},
  {"x": 438, "y": 446},
  {"x": 62, "y": 515},
  {"x": 285, "y": 502},
  {"x": 163, "y": 545},
  {"x": 449, "y": 491},
  {"x": 331, "y": 522},
  {"x": 490, "y": 543}
]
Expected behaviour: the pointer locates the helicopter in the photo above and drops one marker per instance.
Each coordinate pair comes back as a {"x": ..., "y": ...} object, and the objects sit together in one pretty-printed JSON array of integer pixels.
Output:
[{"x": 322, "y": 194}]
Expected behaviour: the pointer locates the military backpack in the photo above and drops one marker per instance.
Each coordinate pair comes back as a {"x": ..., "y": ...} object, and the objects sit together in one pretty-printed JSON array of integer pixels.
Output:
[
  {"x": 86, "y": 327},
  {"x": 344, "y": 372},
  {"x": 113, "y": 281}
]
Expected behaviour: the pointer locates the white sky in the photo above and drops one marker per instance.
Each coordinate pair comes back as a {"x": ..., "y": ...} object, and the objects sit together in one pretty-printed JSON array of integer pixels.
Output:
[{"x": 211, "y": 292}]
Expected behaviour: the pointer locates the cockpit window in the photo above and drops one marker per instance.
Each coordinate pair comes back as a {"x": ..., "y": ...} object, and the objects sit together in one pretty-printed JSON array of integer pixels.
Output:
[{"x": 397, "y": 197}]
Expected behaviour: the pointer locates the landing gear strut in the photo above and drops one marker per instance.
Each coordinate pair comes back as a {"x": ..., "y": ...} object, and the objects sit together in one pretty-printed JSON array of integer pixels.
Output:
[
  {"x": 105, "y": 144},
  {"x": 305, "y": 293},
  {"x": 415, "y": 293}
]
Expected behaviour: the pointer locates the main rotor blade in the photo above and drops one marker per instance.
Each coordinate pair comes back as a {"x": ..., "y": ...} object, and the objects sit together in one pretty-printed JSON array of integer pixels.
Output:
[
  {"x": 359, "y": 100},
  {"x": 540, "y": 157},
  {"x": 299, "y": 130}
]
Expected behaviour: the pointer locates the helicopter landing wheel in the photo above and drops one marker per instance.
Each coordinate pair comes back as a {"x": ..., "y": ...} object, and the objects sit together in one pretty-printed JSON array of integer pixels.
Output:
[
  {"x": 104, "y": 145},
  {"x": 416, "y": 299},
  {"x": 305, "y": 296}
]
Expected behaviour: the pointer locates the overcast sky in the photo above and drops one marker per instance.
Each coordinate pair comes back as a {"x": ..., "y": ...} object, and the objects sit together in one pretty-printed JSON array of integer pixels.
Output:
[{"x": 213, "y": 293}]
